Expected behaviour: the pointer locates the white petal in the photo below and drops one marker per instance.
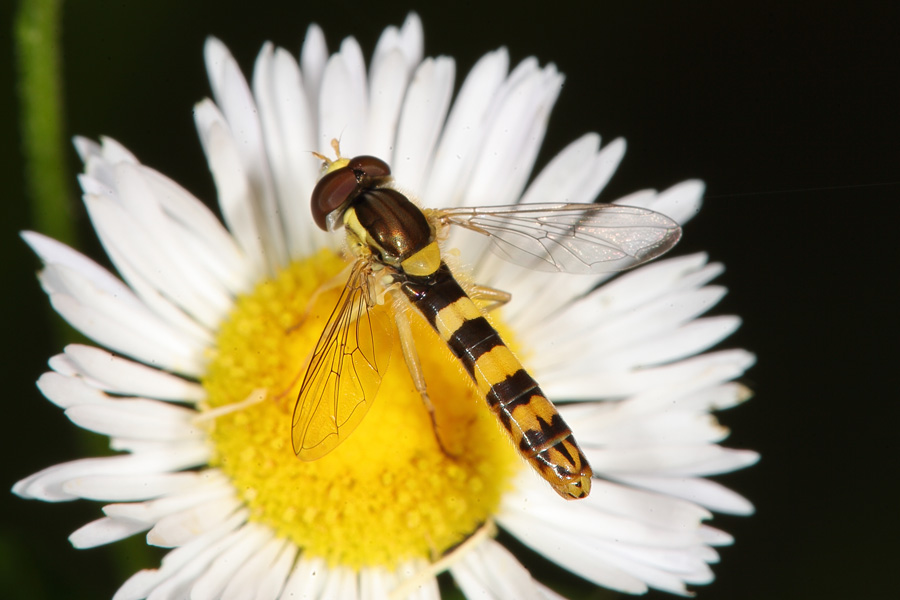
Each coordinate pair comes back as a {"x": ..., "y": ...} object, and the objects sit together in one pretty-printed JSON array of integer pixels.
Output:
[
  {"x": 159, "y": 202},
  {"x": 587, "y": 384},
  {"x": 413, "y": 580},
  {"x": 290, "y": 135},
  {"x": 387, "y": 88},
  {"x": 412, "y": 39},
  {"x": 690, "y": 339},
  {"x": 644, "y": 324},
  {"x": 127, "y": 333},
  {"x": 518, "y": 119},
  {"x": 704, "y": 492},
  {"x": 572, "y": 554},
  {"x": 134, "y": 251},
  {"x": 562, "y": 180},
  {"x": 577, "y": 174},
  {"x": 48, "y": 484},
  {"x": 517, "y": 169},
  {"x": 184, "y": 447},
  {"x": 121, "y": 376},
  {"x": 671, "y": 460},
  {"x": 356, "y": 64},
  {"x": 340, "y": 584},
  {"x": 181, "y": 527},
  {"x": 126, "y": 488},
  {"x": 538, "y": 297},
  {"x": 137, "y": 418},
  {"x": 680, "y": 202},
  {"x": 233, "y": 96},
  {"x": 236, "y": 197},
  {"x": 212, "y": 487},
  {"x": 180, "y": 584},
  {"x": 689, "y": 395},
  {"x": 674, "y": 427},
  {"x": 342, "y": 104},
  {"x": 408, "y": 41},
  {"x": 216, "y": 578},
  {"x": 657, "y": 573},
  {"x": 245, "y": 582},
  {"x": 456, "y": 153},
  {"x": 68, "y": 391},
  {"x": 97, "y": 304},
  {"x": 375, "y": 583},
  {"x": 654, "y": 511},
  {"x": 105, "y": 531},
  {"x": 52, "y": 252},
  {"x": 110, "y": 150},
  {"x": 616, "y": 563},
  {"x": 421, "y": 121},
  {"x": 624, "y": 353},
  {"x": 534, "y": 100},
  {"x": 205, "y": 239},
  {"x": 653, "y": 282},
  {"x": 313, "y": 57},
  {"x": 189, "y": 559},
  {"x": 719, "y": 397},
  {"x": 275, "y": 579},
  {"x": 652, "y": 318},
  {"x": 597, "y": 521},
  {"x": 715, "y": 537},
  {"x": 491, "y": 571},
  {"x": 593, "y": 177},
  {"x": 513, "y": 138},
  {"x": 306, "y": 580},
  {"x": 425, "y": 590}
]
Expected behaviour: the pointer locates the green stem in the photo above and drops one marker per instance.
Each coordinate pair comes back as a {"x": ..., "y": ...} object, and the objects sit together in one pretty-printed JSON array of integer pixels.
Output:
[{"x": 37, "y": 34}]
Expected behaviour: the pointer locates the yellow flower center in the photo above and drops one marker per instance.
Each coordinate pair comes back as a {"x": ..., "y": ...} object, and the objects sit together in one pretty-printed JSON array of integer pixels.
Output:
[{"x": 388, "y": 493}]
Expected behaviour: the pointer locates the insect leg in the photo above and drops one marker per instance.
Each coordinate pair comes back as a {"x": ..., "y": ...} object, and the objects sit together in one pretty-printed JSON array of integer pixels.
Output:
[
  {"x": 255, "y": 397},
  {"x": 488, "y": 298},
  {"x": 408, "y": 346},
  {"x": 417, "y": 580}
]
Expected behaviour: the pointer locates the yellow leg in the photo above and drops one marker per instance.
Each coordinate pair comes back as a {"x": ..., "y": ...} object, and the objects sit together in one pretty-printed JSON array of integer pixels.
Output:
[
  {"x": 420, "y": 578},
  {"x": 399, "y": 305},
  {"x": 488, "y": 298},
  {"x": 255, "y": 397}
]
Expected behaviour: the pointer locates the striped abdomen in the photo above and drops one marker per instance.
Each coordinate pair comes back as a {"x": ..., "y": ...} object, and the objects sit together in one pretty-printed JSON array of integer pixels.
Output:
[{"x": 529, "y": 418}]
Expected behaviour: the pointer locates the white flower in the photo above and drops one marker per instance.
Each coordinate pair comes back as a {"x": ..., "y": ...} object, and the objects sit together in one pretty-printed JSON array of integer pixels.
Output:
[{"x": 207, "y": 317}]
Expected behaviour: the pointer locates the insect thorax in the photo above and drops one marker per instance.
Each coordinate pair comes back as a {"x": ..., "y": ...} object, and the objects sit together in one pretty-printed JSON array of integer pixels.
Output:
[{"x": 394, "y": 226}]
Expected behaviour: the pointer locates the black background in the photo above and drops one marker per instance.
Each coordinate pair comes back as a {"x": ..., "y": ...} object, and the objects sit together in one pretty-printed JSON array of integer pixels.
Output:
[{"x": 787, "y": 110}]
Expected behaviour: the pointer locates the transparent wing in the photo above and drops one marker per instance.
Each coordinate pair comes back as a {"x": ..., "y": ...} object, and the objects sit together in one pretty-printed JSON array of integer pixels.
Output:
[
  {"x": 345, "y": 371},
  {"x": 572, "y": 238}
]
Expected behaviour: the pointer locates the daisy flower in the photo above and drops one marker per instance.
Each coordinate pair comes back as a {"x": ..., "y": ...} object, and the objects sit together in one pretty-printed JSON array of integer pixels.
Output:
[{"x": 202, "y": 339}]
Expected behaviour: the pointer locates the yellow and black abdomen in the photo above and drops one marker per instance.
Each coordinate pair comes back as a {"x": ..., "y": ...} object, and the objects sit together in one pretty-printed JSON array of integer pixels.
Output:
[{"x": 529, "y": 418}]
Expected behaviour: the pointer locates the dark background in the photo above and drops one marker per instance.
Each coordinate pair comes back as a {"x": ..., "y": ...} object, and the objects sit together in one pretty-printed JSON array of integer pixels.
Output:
[{"x": 789, "y": 111}]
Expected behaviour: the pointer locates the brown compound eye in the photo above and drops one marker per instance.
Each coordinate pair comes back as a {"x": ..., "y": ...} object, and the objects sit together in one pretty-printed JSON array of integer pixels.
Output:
[
  {"x": 333, "y": 190},
  {"x": 369, "y": 169}
]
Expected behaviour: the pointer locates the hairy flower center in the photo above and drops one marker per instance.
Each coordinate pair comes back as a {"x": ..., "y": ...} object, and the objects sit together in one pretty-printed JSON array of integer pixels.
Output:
[{"x": 388, "y": 493}]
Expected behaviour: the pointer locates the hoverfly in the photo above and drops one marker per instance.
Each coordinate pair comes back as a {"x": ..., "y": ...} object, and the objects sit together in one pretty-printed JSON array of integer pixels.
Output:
[{"x": 398, "y": 259}]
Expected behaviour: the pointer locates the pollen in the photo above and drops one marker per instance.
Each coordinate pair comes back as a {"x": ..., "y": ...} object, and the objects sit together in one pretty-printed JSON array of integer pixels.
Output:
[{"x": 398, "y": 488}]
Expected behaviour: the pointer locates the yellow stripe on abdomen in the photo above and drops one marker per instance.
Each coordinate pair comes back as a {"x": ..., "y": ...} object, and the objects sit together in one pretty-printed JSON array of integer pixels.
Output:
[
  {"x": 528, "y": 417},
  {"x": 495, "y": 366}
]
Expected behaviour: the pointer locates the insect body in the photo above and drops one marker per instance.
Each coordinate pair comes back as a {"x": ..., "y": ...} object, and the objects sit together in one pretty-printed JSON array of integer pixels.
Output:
[{"x": 398, "y": 257}]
